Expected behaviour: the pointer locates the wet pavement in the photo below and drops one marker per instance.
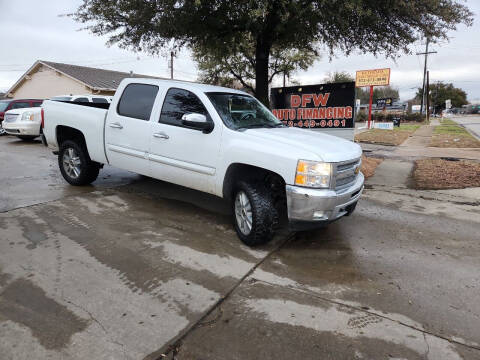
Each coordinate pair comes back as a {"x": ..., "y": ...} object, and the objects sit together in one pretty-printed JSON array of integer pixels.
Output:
[{"x": 134, "y": 268}]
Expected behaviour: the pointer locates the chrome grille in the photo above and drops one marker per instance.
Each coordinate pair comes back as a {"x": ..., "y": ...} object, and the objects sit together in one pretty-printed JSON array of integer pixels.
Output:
[
  {"x": 345, "y": 173},
  {"x": 10, "y": 117}
]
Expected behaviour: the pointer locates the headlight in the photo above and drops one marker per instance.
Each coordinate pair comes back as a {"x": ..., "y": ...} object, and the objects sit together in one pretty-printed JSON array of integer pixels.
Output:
[
  {"x": 313, "y": 174},
  {"x": 28, "y": 115}
]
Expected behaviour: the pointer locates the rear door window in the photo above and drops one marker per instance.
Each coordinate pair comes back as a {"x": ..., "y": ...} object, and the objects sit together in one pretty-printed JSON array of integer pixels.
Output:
[
  {"x": 137, "y": 101},
  {"x": 81, "y": 99},
  {"x": 100, "y": 100},
  {"x": 36, "y": 103},
  {"x": 179, "y": 102}
]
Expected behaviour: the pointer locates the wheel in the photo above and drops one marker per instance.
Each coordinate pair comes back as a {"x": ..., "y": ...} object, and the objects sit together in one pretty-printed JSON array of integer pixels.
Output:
[
  {"x": 254, "y": 213},
  {"x": 75, "y": 164},
  {"x": 2, "y": 130},
  {"x": 27, "y": 137}
]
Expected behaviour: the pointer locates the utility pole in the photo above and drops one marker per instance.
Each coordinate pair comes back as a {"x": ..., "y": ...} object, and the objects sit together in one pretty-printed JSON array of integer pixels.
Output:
[
  {"x": 425, "y": 72},
  {"x": 428, "y": 97},
  {"x": 284, "y": 75},
  {"x": 172, "y": 54}
]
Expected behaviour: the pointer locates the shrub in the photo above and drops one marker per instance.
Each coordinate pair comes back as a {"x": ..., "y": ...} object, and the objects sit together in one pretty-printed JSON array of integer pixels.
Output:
[
  {"x": 361, "y": 116},
  {"x": 414, "y": 117}
]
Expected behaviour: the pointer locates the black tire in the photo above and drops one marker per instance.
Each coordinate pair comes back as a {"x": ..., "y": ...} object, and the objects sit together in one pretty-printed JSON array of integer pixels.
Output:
[
  {"x": 27, "y": 137},
  {"x": 263, "y": 211},
  {"x": 87, "y": 169}
]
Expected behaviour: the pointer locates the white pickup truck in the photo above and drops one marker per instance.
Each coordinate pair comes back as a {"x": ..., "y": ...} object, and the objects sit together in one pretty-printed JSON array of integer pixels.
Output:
[{"x": 212, "y": 139}]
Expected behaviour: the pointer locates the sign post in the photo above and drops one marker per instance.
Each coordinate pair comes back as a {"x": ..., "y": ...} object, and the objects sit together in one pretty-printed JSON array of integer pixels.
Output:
[
  {"x": 370, "y": 106},
  {"x": 371, "y": 78}
]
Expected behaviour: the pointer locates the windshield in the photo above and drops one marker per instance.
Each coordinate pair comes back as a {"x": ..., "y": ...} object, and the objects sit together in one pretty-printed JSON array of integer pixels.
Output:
[
  {"x": 61, "y": 98},
  {"x": 242, "y": 111},
  {"x": 3, "y": 105}
]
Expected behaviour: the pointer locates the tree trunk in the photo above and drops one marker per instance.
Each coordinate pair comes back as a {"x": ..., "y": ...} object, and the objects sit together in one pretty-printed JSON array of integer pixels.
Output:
[{"x": 262, "y": 54}]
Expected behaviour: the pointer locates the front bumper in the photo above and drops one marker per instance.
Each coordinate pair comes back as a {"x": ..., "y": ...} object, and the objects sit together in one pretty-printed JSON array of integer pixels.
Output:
[
  {"x": 29, "y": 128},
  {"x": 320, "y": 206}
]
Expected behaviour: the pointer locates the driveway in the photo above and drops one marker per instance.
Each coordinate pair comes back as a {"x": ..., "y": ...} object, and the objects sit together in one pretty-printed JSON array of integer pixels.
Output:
[
  {"x": 134, "y": 268},
  {"x": 471, "y": 122}
]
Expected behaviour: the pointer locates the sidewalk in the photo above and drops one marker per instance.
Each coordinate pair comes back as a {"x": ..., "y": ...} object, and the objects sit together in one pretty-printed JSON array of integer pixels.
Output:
[{"x": 416, "y": 147}]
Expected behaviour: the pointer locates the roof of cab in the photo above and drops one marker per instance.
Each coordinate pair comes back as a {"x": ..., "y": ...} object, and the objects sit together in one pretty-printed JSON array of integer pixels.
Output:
[{"x": 185, "y": 84}]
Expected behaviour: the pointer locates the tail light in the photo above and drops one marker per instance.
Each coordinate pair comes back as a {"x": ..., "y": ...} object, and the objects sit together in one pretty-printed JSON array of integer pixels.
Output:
[{"x": 42, "y": 124}]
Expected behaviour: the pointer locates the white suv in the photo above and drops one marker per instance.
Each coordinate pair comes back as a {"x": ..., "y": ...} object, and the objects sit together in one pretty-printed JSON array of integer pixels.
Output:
[{"x": 25, "y": 123}]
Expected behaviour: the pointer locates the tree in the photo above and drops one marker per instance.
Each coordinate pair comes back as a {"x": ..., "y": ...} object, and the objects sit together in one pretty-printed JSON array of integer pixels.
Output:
[
  {"x": 238, "y": 65},
  {"x": 376, "y": 27},
  {"x": 379, "y": 92},
  {"x": 439, "y": 92},
  {"x": 338, "y": 77}
]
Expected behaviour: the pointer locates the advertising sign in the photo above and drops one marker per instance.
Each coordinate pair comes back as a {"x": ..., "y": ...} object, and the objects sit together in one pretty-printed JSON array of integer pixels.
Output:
[
  {"x": 384, "y": 126},
  {"x": 315, "y": 106},
  {"x": 377, "y": 77},
  {"x": 384, "y": 102},
  {"x": 448, "y": 104}
]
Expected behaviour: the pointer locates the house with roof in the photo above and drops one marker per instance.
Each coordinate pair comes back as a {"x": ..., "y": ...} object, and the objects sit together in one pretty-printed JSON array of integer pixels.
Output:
[{"x": 45, "y": 79}]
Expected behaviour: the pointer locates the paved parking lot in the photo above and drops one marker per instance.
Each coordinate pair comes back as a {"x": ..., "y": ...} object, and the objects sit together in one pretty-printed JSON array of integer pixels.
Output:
[{"x": 133, "y": 268}]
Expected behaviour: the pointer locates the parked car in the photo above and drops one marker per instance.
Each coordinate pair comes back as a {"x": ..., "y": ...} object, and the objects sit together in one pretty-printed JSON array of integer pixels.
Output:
[
  {"x": 23, "y": 123},
  {"x": 10, "y": 104},
  {"x": 101, "y": 99},
  {"x": 212, "y": 139}
]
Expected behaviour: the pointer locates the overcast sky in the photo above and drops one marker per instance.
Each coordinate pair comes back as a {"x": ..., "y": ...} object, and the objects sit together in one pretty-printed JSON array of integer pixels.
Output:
[{"x": 34, "y": 30}]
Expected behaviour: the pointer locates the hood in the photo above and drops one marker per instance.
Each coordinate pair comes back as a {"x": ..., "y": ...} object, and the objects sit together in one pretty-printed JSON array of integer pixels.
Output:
[
  {"x": 22, "y": 110},
  {"x": 326, "y": 147}
]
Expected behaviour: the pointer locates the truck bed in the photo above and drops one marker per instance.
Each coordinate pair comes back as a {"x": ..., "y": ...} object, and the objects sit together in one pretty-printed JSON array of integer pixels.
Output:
[{"x": 88, "y": 118}]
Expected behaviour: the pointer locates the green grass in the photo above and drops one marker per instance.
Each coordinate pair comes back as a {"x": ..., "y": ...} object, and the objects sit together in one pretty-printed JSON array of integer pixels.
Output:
[
  {"x": 407, "y": 127},
  {"x": 451, "y": 129},
  {"x": 448, "y": 122}
]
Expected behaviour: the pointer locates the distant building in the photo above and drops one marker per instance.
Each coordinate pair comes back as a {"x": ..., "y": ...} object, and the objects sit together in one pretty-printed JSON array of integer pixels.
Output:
[{"x": 46, "y": 79}]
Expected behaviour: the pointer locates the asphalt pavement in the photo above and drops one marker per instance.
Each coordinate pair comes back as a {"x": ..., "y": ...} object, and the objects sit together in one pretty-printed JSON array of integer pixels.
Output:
[
  {"x": 470, "y": 122},
  {"x": 135, "y": 268}
]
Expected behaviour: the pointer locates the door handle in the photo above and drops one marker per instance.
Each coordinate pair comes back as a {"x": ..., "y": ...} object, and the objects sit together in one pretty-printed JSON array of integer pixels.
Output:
[
  {"x": 161, "y": 135},
  {"x": 116, "y": 125}
]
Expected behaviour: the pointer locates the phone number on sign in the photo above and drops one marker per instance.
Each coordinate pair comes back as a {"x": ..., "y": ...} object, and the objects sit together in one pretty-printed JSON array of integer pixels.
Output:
[{"x": 313, "y": 123}]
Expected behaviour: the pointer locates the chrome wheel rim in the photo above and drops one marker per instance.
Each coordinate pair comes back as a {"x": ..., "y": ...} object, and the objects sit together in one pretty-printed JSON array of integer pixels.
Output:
[
  {"x": 71, "y": 163},
  {"x": 243, "y": 213}
]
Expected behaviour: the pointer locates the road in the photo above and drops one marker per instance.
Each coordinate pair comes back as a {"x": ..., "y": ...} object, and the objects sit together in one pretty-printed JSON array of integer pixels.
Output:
[
  {"x": 471, "y": 122},
  {"x": 133, "y": 268}
]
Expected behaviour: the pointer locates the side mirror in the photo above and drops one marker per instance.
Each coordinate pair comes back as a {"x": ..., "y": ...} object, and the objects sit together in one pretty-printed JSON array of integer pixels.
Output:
[{"x": 198, "y": 122}]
